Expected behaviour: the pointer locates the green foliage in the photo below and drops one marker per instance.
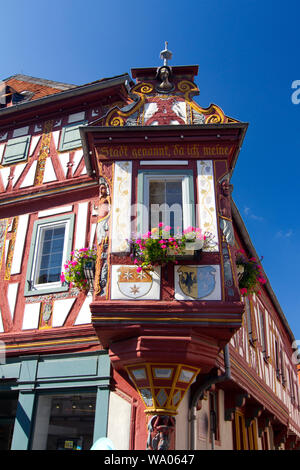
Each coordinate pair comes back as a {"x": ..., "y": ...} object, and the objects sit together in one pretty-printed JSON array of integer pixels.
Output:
[
  {"x": 251, "y": 276},
  {"x": 74, "y": 268}
]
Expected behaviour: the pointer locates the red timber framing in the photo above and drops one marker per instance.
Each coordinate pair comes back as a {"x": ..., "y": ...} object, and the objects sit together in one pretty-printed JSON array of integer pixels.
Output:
[{"x": 49, "y": 181}]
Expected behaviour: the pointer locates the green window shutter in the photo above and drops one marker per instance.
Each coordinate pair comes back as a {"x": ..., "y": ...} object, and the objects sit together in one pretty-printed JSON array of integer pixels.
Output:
[
  {"x": 16, "y": 150},
  {"x": 70, "y": 137}
]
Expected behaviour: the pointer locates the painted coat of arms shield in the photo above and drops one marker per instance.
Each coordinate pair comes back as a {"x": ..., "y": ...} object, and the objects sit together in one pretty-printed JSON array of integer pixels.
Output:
[
  {"x": 197, "y": 281},
  {"x": 133, "y": 284}
]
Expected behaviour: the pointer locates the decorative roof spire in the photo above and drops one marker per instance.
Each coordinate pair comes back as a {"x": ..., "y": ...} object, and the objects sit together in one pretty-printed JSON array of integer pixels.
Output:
[{"x": 166, "y": 55}]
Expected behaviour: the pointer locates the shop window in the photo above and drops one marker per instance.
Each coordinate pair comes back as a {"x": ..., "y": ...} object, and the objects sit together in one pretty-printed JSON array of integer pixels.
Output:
[
  {"x": 8, "y": 408},
  {"x": 166, "y": 198},
  {"x": 70, "y": 137},
  {"x": 50, "y": 247},
  {"x": 16, "y": 150},
  {"x": 64, "y": 422}
]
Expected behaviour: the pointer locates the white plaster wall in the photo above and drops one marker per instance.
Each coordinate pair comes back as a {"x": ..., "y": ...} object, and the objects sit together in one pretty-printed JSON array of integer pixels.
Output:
[
  {"x": 12, "y": 297},
  {"x": 182, "y": 425},
  {"x": 119, "y": 421},
  {"x": 34, "y": 141},
  {"x": 77, "y": 159},
  {"x": 92, "y": 235},
  {"x": 5, "y": 174},
  {"x": 19, "y": 245},
  {"x": 49, "y": 173},
  {"x": 55, "y": 211},
  {"x": 1, "y": 323},
  {"x": 202, "y": 427},
  {"x": 84, "y": 316},
  {"x": 61, "y": 309},
  {"x": 29, "y": 178},
  {"x": 64, "y": 160},
  {"x": 225, "y": 427},
  {"x": 31, "y": 316},
  {"x": 18, "y": 171},
  {"x": 55, "y": 136},
  {"x": 81, "y": 225}
]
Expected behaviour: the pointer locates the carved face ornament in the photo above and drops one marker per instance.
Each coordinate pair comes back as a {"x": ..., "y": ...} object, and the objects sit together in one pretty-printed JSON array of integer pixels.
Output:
[{"x": 164, "y": 75}]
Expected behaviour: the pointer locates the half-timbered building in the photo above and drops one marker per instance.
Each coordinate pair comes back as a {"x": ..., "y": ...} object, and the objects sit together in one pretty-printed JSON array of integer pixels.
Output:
[{"x": 172, "y": 357}]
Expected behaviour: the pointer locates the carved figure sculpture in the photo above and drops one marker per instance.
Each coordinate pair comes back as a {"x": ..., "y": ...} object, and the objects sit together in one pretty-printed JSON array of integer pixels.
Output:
[
  {"x": 160, "y": 429},
  {"x": 226, "y": 190},
  {"x": 103, "y": 212},
  {"x": 102, "y": 232},
  {"x": 225, "y": 211},
  {"x": 164, "y": 74}
]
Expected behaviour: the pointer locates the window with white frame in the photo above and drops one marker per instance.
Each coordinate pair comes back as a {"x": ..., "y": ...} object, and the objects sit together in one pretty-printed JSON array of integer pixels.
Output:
[
  {"x": 166, "y": 198},
  {"x": 50, "y": 248}
]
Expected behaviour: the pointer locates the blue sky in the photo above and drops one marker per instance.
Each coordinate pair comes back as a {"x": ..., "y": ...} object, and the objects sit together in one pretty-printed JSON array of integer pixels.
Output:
[{"x": 248, "y": 57}]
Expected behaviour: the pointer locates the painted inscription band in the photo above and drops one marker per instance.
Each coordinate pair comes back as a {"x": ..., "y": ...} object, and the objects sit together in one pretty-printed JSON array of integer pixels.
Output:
[{"x": 107, "y": 152}]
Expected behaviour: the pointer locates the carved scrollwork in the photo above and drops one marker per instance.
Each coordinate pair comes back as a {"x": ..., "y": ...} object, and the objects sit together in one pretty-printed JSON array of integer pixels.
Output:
[
  {"x": 117, "y": 121},
  {"x": 145, "y": 88},
  {"x": 214, "y": 119},
  {"x": 187, "y": 87},
  {"x": 214, "y": 114}
]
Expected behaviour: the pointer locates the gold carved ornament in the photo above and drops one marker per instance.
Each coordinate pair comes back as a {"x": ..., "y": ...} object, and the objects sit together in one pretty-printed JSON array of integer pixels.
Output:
[
  {"x": 11, "y": 249},
  {"x": 213, "y": 114},
  {"x": 43, "y": 153},
  {"x": 117, "y": 118}
]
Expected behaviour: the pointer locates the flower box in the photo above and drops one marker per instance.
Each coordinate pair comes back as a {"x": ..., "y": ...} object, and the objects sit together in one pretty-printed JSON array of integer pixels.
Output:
[
  {"x": 250, "y": 274},
  {"x": 158, "y": 247},
  {"x": 79, "y": 270}
]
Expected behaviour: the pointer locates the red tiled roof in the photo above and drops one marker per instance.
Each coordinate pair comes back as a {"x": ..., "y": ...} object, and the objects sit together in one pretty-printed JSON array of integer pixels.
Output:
[{"x": 39, "y": 90}]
